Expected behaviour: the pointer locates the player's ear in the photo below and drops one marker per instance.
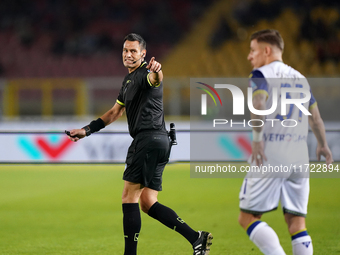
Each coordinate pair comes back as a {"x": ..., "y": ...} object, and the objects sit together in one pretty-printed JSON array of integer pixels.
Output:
[
  {"x": 268, "y": 50},
  {"x": 143, "y": 53}
]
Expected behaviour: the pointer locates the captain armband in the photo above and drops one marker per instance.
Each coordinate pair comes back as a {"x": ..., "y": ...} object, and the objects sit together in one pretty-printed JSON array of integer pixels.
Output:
[{"x": 94, "y": 126}]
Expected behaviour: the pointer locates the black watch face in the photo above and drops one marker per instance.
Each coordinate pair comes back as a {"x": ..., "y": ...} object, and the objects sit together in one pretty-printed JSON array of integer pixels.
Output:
[{"x": 87, "y": 130}]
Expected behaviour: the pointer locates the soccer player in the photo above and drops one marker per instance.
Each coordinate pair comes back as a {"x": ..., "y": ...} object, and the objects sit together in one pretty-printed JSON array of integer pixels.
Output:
[
  {"x": 275, "y": 145},
  {"x": 141, "y": 95}
]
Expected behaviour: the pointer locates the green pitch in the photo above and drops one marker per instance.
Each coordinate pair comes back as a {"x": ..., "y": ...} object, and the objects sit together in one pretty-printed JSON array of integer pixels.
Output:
[{"x": 76, "y": 209}]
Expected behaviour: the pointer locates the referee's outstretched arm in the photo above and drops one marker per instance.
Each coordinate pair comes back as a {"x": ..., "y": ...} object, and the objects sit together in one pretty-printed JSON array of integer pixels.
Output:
[{"x": 110, "y": 116}]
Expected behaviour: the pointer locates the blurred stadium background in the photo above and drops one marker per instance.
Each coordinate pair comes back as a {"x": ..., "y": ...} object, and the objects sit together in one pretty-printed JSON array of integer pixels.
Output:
[
  {"x": 60, "y": 61},
  {"x": 60, "y": 67}
]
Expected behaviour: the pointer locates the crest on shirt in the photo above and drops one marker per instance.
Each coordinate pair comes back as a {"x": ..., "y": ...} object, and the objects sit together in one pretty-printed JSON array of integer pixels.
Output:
[{"x": 126, "y": 85}]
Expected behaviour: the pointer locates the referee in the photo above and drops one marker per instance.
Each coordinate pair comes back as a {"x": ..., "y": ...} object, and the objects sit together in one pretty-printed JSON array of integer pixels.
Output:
[{"x": 141, "y": 96}]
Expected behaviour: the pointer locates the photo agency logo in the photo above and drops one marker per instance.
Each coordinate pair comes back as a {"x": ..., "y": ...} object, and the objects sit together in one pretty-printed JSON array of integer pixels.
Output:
[
  {"x": 286, "y": 97},
  {"x": 204, "y": 97}
]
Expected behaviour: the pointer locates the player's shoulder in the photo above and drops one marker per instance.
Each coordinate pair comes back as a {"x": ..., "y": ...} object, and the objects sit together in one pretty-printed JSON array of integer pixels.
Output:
[
  {"x": 256, "y": 73},
  {"x": 276, "y": 69},
  {"x": 282, "y": 70},
  {"x": 289, "y": 71},
  {"x": 297, "y": 73}
]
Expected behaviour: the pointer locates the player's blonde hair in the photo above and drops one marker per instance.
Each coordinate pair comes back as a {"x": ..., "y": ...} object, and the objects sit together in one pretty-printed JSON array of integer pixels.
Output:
[{"x": 270, "y": 36}]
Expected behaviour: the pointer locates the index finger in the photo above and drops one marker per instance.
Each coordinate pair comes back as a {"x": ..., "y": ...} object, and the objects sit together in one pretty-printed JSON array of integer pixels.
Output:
[{"x": 150, "y": 62}]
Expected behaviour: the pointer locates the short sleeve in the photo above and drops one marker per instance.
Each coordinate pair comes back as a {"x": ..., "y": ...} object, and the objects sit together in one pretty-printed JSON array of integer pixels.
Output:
[
  {"x": 149, "y": 82},
  {"x": 312, "y": 101},
  {"x": 120, "y": 98},
  {"x": 144, "y": 78},
  {"x": 258, "y": 83}
]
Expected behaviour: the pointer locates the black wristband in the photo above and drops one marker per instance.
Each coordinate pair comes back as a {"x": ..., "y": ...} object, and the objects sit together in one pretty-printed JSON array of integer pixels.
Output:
[
  {"x": 87, "y": 130},
  {"x": 94, "y": 126}
]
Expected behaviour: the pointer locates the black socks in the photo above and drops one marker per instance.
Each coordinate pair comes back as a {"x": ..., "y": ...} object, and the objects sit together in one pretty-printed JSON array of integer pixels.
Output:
[
  {"x": 170, "y": 219},
  {"x": 131, "y": 226}
]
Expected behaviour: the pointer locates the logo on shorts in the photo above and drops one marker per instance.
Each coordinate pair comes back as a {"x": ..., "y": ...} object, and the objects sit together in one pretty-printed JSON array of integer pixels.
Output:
[
  {"x": 180, "y": 220},
  {"x": 306, "y": 244}
]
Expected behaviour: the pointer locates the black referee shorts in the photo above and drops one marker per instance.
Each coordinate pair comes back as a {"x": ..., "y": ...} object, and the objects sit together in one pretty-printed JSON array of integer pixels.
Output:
[{"x": 147, "y": 156}]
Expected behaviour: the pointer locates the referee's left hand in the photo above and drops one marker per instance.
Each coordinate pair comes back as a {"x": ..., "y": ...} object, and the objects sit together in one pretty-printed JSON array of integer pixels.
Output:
[{"x": 154, "y": 66}]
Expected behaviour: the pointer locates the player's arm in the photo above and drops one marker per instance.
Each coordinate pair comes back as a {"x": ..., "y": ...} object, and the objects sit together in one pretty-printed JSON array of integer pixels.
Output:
[
  {"x": 110, "y": 116},
  {"x": 259, "y": 103},
  {"x": 318, "y": 128},
  {"x": 155, "y": 77}
]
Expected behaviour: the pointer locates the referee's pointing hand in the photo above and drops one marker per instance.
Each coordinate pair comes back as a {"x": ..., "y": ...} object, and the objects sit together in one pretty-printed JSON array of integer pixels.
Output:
[{"x": 154, "y": 66}]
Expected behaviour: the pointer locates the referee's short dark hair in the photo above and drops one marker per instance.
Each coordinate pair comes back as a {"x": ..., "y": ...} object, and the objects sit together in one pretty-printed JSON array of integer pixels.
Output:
[
  {"x": 136, "y": 37},
  {"x": 270, "y": 36}
]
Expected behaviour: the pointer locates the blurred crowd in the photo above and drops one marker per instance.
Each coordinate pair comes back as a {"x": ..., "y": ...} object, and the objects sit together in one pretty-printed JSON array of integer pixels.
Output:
[
  {"x": 319, "y": 21},
  {"x": 78, "y": 29},
  {"x": 324, "y": 33},
  {"x": 87, "y": 27}
]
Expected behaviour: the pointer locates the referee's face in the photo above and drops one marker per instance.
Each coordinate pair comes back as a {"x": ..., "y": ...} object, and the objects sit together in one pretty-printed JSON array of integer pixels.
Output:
[{"x": 132, "y": 54}]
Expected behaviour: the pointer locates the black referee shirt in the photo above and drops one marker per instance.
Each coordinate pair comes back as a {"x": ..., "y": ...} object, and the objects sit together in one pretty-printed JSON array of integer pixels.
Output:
[{"x": 143, "y": 102}]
